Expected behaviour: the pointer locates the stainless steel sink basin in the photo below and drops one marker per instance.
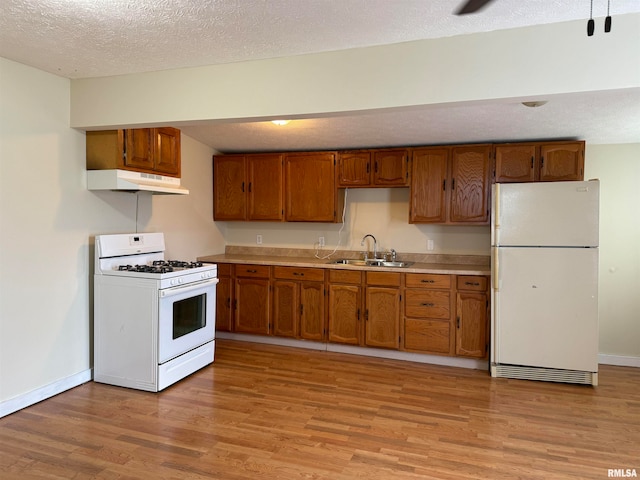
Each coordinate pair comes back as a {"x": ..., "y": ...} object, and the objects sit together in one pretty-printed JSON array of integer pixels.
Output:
[
  {"x": 384, "y": 263},
  {"x": 349, "y": 261},
  {"x": 371, "y": 263}
]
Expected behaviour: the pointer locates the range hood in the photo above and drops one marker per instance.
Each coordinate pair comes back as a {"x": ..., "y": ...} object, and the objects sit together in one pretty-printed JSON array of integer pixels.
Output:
[{"x": 127, "y": 181}]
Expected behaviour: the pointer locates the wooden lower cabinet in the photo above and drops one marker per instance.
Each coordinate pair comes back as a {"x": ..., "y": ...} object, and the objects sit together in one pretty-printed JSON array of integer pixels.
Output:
[
  {"x": 424, "y": 313},
  {"x": 382, "y": 310},
  {"x": 299, "y": 303},
  {"x": 472, "y": 316},
  {"x": 251, "y": 303},
  {"x": 428, "y": 306},
  {"x": 224, "y": 296},
  {"x": 345, "y": 307}
]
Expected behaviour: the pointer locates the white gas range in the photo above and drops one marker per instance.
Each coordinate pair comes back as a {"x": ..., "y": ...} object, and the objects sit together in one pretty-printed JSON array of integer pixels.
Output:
[{"x": 154, "y": 319}]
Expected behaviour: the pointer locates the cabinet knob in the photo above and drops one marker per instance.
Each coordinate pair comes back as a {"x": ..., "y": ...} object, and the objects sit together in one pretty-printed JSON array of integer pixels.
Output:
[
  {"x": 473, "y": 284},
  {"x": 428, "y": 304},
  {"x": 427, "y": 281},
  {"x": 300, "y": 274},
  {"x": 252, "y": 271}
]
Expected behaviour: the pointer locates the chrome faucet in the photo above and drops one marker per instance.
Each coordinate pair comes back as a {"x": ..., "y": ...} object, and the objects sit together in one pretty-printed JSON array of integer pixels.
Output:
[{"x": 375, "y": 245}]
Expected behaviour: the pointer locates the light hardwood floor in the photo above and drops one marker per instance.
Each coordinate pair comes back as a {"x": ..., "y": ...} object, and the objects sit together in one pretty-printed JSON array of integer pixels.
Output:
[{"x": 267, "y": 412}]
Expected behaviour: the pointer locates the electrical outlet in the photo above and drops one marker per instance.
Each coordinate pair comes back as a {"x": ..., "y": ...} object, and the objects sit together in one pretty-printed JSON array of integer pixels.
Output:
[
  {"x": 321, "y": 241},
  {"x": 429, "y": 244},
  {"x": 259, "y": 239}
]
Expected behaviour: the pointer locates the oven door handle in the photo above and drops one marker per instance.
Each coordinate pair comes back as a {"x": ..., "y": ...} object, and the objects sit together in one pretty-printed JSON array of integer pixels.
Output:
[{"x": 168, "y": 292}]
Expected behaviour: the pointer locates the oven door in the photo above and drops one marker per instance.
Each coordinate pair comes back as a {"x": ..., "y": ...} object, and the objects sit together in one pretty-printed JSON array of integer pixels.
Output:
[{"x": 186, "y": 318}]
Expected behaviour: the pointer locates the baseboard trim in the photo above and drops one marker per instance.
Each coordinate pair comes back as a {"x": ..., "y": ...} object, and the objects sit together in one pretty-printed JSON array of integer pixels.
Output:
[
  {"x": 470, "y": 363},
  {"x": 619, "y": 360},
  {"x": 25, "y": 400}
]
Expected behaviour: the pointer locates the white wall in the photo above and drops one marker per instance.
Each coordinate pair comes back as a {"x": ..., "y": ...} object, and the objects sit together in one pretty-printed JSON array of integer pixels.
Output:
[
  {"x": 382, "y": 212},
  {"x": 618, "y": 168},
  {"x": 47, "y": 223}
]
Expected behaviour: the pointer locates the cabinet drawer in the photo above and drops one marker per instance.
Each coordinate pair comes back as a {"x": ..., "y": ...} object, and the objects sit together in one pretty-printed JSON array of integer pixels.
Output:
[
  {"x": 428, "y": 280},
  {"x": 345, "y": 276},
  {"x": 295, "y": 273},
  {"x": 224, "y": 269},
  {"x": 472, "y": 282},
  {"x": 427, "y": 336},
  {"x": 423, "y": 303},
  {"x": 253, "y": 271},
  {"x": 390, "y": 279}
]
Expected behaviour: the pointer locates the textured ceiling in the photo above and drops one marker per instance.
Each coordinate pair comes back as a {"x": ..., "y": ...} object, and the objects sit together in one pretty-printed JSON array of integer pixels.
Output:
[{"x": 90, "y": 38}]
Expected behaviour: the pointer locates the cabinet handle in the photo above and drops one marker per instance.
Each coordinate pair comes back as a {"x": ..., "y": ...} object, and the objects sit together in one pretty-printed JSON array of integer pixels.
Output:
[
  {"x": 300, "y": 274},
  {"x": 249, "y": 187},
  {"x": 228, "y": 302},
  {"x": 473, "y": 284},
  {"x": 541, "y": 162},
  {"x": 242, "y": 187},
  {"x": 532, "y": 162},
  {"x": 368, "y": 167},
  {"x": 428, "y": 281},
  {"x": 301, "y": 309},
  {"x": 252, "y": 271},
  {"x": 458, "y": 322},
  {"x": 366, "y": 315},
  {"x": 428, "y": 304},
  {"x": 444, "y": 185},
  {"x": 453, "y": 184},
  {"x": 376, "y": 166},
  {"x": 358, "y": 314}
]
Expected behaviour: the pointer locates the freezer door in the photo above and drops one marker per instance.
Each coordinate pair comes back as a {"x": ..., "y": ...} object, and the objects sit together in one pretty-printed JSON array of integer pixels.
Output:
[
  {"x": 546, "y": 214},
  {"x": 545, "y": 308}
]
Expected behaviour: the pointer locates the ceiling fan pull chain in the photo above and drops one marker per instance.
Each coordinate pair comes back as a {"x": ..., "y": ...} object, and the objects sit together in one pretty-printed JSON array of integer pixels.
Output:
[
  {"x": 591, "y": 25},
  {"x": 607, "y": 21}
]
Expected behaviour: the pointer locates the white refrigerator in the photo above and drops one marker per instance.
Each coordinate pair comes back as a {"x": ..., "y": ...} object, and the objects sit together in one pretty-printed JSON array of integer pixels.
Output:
[{"x": 544, "y": 272}]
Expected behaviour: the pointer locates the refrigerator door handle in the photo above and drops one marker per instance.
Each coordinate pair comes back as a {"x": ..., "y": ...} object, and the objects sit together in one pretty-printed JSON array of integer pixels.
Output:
[
  {"x": 496, "y": 211},
  {"x": 495, "y": 273}
]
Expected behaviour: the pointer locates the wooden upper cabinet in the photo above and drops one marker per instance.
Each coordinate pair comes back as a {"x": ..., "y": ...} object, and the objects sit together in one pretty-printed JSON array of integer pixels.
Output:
[
  {"x": 167, "y": 149},
  {"x": 310, "y": 187},
  {"x": 229, "y": 187},
  {"x": 515, "y": 163},
  {"x": 265, "y": 188},
  {"x": 139, "y": 149},
  {"x": 391, "y": 168},
  {"x": 539, "y": 161},
  {"x": 149, "y": 150},
  {"x": 562, "y": 162},
  {"x": 429, "y": 173},
  {"x": 374, "y": 168},
  {"x": 354, "y": 169},
  {"x": 470, "y": 184},
  {"x": 248, "y": 187},
  {"x": 450, "y": 185}
]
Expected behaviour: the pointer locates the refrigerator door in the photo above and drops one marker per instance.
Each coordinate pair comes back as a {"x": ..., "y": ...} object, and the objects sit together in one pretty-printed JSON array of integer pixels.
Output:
[
  {"x": 545, "y": 308},
  {"x": 546, "y": 214}
]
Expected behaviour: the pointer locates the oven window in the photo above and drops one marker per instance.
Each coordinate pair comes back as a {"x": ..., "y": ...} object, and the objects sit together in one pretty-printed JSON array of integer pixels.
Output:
[{"x": 189, "y": 315}]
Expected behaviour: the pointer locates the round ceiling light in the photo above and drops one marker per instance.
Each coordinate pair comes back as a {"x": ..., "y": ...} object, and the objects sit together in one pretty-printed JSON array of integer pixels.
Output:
[
  {"x": 535, "y": 104},
  {"x": 280, "y": 122}
]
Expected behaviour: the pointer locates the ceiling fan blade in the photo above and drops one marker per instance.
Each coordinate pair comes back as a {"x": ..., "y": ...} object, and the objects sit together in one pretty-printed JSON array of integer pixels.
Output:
[{"x": 471, "y": 6}]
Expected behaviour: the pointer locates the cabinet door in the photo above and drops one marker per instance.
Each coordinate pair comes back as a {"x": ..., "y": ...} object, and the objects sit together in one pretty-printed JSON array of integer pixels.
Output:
[
  {"x": 167, "y": 150},
  {"x": 344, "y": 313},
  {"x": 391, "y": 167},
  {"x": 427, "y": 335},
  {"x": 382, "y": 315},
  {"x": 229, "y": 198},
  {"x": 139, "y": 149},
  {"x": 515, "y": 163},
  {"x": 285, "y": 308},
  {"x": 470, "y": 184},
  {"x": 310, "y": 187},
  {"x": 354, "y": 169},
  {"x": 266, "y": 187},
  {"x": 312, "y": 311},
  {"x": 428, "y": 185},
  {"x": 252, "y": 306},
  {"x": 224, "y": 312},
  {"x": 471, "y": 324},
  {"x": 562, "y": 162}
]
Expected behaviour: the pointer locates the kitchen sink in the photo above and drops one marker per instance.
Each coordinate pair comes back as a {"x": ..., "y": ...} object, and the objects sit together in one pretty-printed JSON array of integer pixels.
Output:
[{"x": 371, "y": 263}]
